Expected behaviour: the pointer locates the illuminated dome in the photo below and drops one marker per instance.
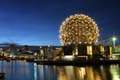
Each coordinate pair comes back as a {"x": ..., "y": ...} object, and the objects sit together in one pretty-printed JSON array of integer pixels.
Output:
[{"x": 78, "y": 28}]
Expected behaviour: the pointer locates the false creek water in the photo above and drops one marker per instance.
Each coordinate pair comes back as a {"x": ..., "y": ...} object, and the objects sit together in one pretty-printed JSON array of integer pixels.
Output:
[{"x": 21, "y": 70}]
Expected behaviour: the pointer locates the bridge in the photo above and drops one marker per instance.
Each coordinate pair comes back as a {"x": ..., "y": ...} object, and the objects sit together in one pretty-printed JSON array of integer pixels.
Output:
[
  {"x": 108, "y": 41},
  {"x": 111, "y": 41}
]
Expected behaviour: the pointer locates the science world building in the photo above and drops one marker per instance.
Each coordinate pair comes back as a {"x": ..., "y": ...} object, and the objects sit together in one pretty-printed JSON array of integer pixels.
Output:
[{"x": 79, "y": 36}]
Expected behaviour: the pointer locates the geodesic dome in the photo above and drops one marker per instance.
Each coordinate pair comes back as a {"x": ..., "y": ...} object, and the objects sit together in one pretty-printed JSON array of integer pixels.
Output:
[{"x": 78, "y": 28}]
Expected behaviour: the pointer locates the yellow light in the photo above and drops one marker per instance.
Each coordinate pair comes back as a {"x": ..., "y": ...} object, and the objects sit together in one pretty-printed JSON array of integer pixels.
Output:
[
  {"x": 89, "y": 50},
  {"x": 102, "y": 49},
  {"x": 76, "y": 28}
]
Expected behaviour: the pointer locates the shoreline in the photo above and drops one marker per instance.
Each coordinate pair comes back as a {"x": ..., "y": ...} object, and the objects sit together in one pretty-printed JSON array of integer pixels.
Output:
[
  {"x": 73, "y": 63},
  {"x": 84, "y": 63}
]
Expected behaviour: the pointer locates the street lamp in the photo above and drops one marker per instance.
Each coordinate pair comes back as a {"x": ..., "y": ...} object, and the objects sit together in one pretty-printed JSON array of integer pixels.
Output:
[{"x": 114, "y": 39}]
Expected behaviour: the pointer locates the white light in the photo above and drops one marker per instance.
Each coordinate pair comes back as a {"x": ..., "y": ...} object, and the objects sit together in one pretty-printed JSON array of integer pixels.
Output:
[
  {"x": 35, "y": 54},
  {"x": 68, "y": 57},
  {"x": 114, "y": 38},
  {"x": 80, "y": 42},
  {"x": 11, "y": 55}
]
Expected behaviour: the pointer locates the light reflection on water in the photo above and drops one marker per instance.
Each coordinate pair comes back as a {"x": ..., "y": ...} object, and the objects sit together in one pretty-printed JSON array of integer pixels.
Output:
[{"x": 20, "y": 70}]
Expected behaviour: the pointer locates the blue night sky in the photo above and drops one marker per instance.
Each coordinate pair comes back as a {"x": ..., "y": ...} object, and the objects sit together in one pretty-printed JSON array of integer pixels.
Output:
[{"x": 37, "y": 22}]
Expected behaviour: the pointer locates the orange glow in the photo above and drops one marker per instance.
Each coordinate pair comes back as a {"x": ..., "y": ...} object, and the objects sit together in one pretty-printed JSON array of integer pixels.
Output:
[{"x": 78, "y": 28}]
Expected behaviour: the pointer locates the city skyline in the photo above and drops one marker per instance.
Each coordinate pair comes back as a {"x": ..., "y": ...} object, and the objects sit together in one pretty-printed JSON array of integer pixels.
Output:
[{"x": 37, "y": 22}]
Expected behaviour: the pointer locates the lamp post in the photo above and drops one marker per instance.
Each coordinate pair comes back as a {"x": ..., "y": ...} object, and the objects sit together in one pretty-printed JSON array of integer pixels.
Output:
[{"x": 114, "y": 39}]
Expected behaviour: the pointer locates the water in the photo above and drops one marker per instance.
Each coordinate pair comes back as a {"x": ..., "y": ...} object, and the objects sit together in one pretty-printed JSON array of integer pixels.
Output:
[{"x": 21, "y": 70}]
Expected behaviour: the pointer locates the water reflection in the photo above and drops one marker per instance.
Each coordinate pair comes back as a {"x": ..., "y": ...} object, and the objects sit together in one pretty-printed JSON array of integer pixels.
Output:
[
  {"x": 115, "y": 70},
  {"x": 35, "y": 71},
  {"x": 47, "y": 72},
  {"x": 89, "y": 73},
  {"x": 19, "y": 70}
]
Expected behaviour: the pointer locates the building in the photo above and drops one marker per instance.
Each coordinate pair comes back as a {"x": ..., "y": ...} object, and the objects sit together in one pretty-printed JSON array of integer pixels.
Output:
[{"x": 87, "y": 51}]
